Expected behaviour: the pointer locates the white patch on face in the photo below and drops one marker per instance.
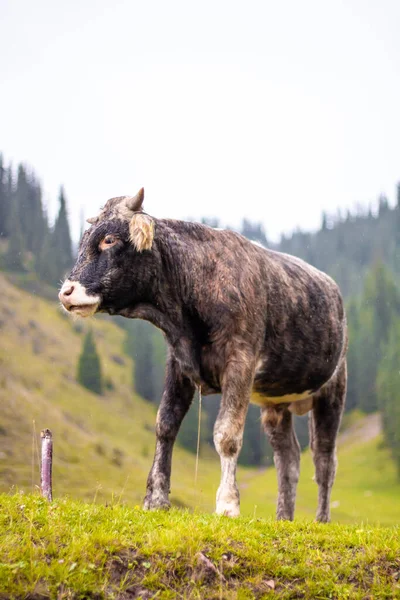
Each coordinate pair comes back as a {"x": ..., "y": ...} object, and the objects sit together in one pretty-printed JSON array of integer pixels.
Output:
[{"x": 76, "y": 301}]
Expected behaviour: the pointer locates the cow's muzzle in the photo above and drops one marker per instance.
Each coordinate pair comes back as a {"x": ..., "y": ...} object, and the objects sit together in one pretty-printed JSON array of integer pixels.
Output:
[{"x": 76, "y": 300}]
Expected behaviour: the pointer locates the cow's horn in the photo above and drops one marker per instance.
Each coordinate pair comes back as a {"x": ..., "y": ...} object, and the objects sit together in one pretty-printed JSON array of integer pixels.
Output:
[
  {"x": 91, "y": 220},
  {"x": 134, "y": 203}
]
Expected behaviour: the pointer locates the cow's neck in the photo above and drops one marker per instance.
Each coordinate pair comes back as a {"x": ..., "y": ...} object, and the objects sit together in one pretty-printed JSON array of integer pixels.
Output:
[{"x": 173, "y": 305}]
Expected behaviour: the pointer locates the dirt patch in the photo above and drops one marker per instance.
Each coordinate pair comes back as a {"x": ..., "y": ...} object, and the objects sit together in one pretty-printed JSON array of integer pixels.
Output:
[
  {"x": 135, "y": 591},
  {"x": 129, "y": 568},
  {"x": 368, "y": 428},
  {"x": 201, "y": 577}
]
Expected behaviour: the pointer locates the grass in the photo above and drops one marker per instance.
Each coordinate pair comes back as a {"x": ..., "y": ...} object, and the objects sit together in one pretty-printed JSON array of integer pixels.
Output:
[{"x": 70, "y": 549}]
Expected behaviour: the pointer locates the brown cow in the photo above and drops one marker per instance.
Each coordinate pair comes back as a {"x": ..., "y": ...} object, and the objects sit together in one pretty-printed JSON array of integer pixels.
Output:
[{"x": 254, "y": 324}]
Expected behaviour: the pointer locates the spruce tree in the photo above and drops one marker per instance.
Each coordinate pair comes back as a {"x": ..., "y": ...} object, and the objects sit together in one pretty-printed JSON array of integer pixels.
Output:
[
  {"x": 369, "y": 332},
  {"x": 62, "y": 238},
  {"x": 24, "y": 208},
  {"x": 14, "y": 258},
  {"x": 254, "y": 439},
  {"x": 39, "y": 225},
  {"x": 396, "y": 222},
  {"x": 89, "y": 367},
  {"x": 383, "y": 204},
  {"x": 46, "y": 265},
  {"x": 22, "y": 217},
  {"x": 388, "y": 384},
  {"x": 144, "y": 361},
  {"x": 354, "y": 365},
  {"x": 146, "y": 346},
  {"x": 4, "y": 200}
]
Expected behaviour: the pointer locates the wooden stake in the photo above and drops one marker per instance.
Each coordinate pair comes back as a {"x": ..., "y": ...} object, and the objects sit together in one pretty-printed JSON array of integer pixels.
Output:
[
  {"x": 198, "y": 440},
  {"x": 46, "y": 484}
]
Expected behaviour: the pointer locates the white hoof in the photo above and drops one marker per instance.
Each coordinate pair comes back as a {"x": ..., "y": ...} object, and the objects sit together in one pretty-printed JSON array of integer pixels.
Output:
[{"x": 228, "y": 509}]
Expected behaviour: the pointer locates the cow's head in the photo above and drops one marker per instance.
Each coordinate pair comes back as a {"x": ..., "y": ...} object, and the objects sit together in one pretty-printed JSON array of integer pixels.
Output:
[{"x": 113, "y": 268}]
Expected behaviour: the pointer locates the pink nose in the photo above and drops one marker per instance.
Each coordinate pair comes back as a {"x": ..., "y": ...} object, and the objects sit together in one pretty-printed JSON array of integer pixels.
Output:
[{"x": 66, "y": 291}]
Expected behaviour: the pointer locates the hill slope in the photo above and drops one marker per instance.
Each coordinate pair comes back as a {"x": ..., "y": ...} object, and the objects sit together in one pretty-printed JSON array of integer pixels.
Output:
[
  {"x": 73, "y": 550},
  {"x": 366, "y": 486},
  {"x": 104, "y": 444}
]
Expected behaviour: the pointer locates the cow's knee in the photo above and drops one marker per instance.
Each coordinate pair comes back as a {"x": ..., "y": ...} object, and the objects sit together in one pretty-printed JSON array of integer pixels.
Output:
[{"x": 226, "y": 443}]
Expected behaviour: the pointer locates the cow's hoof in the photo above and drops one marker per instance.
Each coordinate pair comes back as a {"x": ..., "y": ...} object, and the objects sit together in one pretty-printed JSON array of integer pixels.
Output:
[
  {"x": 228, "y": 509},
  {"x": 284, "y": 517},
  {"x": 323, "y": 519},
  {"x": 228, "y": 501},
  {"x": 151, "y": 503}
]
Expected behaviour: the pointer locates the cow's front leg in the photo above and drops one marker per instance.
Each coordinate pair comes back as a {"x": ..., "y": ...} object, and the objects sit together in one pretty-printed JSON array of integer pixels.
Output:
[
  {"x": 228, "y": 432},
  {"x": 175, "y": 402}
]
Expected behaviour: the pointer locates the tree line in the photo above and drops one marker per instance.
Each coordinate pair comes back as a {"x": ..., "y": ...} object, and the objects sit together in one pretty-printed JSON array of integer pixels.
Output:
[
  {"x": 33, "y": 245},
  {"x": 360, "y": 250}
]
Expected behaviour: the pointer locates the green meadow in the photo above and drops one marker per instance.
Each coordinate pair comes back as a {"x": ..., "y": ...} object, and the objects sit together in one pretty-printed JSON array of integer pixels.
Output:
[{"x": 71, "y": 549}]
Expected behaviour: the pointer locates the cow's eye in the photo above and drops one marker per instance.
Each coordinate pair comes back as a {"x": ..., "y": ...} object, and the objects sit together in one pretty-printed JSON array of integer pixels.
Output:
[{"x": 107, "y": 242}]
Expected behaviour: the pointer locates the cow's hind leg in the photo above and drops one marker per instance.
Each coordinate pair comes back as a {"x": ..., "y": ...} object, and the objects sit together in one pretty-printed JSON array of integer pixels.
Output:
[
  {"x": 278, "y": 424},
  {"x": 324, "y": 422},
  {"x": 175, "y": 402},
  {"x": 228, "y": 430}
]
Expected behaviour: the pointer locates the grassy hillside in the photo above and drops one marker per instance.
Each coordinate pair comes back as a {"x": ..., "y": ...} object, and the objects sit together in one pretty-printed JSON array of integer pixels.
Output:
[
  {"x": 104, "y": 444},
  {"x": 366, "y": 486},
  {"x": 72, "y": 550}
]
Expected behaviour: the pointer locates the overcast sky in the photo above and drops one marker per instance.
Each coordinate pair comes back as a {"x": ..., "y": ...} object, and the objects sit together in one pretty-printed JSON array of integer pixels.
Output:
[{"x": 270, "y": 110}]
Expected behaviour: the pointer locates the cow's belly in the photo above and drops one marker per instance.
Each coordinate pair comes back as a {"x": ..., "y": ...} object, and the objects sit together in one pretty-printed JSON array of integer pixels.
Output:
[
  {"x": 265, "y": 400},
  {"x": 289, "y": 377},
  {"x": 298, "y": 404}
]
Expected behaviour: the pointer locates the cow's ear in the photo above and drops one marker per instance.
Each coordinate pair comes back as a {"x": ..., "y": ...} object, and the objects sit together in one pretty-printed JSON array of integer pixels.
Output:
[{"x": 141, "y": 231}]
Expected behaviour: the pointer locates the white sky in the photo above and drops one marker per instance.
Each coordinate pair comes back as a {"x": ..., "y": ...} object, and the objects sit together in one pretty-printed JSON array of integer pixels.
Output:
[{"x": 270, "y": 110}]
